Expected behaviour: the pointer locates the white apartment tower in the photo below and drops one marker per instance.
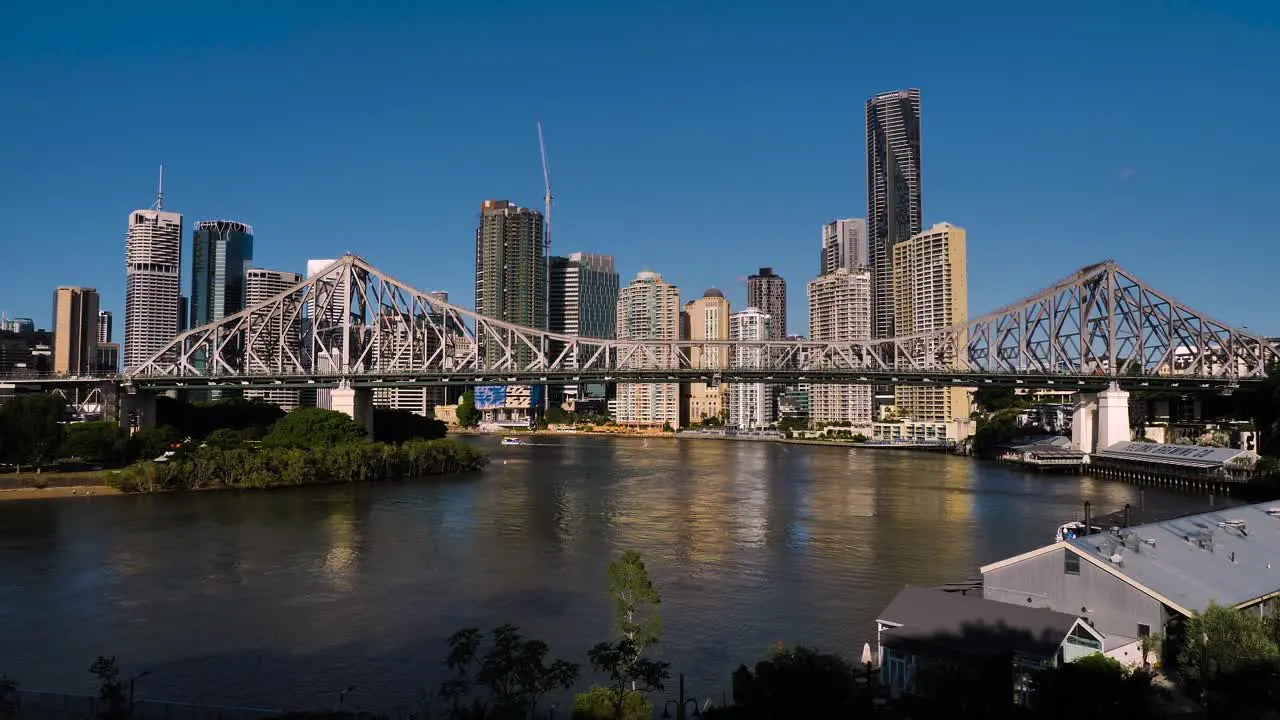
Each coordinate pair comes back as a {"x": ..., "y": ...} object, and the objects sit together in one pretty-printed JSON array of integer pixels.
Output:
[
  {"x": 844, "y": 245},
  {"x": 930, "y": 292},
  {"x": 840, "y": 311},
  {"x": 649, "y": 309},
  {"x": 266, "y": 353},
  {"x": 153, "y": 281},
  {"x": 751, "y": 405},
  {"x": 708, "y": 319}
]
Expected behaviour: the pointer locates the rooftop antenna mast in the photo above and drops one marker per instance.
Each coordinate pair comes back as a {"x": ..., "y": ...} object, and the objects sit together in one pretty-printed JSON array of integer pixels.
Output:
[{"x": 160, "y": 191}]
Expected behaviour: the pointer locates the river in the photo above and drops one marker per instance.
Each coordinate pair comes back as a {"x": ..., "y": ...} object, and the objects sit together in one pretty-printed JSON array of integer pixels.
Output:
[{"x": 284, "y": 597}]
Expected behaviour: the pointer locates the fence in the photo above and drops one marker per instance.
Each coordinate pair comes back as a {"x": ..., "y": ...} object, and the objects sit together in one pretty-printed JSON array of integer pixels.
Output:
[{"x": 33, "y": 705}]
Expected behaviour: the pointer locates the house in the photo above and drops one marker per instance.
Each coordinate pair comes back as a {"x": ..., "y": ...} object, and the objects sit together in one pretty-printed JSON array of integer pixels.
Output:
[
  {"x": 1145, "y": 579},
  {"x": 927, "y": 637}
]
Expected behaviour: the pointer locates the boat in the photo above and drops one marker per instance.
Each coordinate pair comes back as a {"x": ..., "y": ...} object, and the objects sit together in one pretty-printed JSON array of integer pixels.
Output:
[
  {"x": 512, "y": 441},
  {"x": 1073, "y": 530}
]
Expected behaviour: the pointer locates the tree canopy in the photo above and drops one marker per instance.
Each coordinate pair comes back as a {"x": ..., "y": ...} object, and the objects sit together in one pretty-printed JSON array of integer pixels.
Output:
[
  {"x": 315, "y": 428},
  {"x": 31, "y": 430},
  {"x": 468, "y": 415},
  {"x": 397, "y": 426}
]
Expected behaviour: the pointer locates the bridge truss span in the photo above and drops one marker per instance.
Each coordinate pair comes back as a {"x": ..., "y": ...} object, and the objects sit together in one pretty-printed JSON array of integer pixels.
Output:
[{"x": 352, "y": 323}]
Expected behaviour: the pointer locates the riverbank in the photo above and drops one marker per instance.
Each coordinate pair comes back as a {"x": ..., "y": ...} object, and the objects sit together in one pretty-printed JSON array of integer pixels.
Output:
[
  {"x": 699, "y": 436},
  {"x": 69, "y": 491}
]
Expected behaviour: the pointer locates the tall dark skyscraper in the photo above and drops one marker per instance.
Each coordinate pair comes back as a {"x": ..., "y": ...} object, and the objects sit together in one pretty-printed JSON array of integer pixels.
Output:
[
  {"x": 510, "y": 269},
  {"x": 893, "y": 192},
  {"x": 768, "y": 292},
  {"x": 222, "y": 251}
]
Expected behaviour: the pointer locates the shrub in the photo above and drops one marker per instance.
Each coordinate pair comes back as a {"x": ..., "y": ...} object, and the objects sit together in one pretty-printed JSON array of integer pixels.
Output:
[{"x": 598, "y": 704}]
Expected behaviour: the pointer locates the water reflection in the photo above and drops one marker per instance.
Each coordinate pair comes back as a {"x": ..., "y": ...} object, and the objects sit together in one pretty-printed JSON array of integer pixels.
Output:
[{"x": 750, "y": 543}]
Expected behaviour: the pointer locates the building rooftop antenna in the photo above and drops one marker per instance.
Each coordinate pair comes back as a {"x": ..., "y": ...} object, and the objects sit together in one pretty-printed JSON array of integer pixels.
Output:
[{"x": 160, "y": 190}]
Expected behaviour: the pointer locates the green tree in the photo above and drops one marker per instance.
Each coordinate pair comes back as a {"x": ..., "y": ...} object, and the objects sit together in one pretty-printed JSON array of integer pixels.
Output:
[
  {"x": 630, "y": 675},
  {"x": 149, "y": 443},
  {"x": 112, "y": 704},
  {"x": 513, "y": 674},
  {"x": 1094, "y": 686},
  {"x": 1228, "y": 639},
  {"x": 224, "y": 438},
  {"x": 102, "y": 440},
  {"x": 635, "y": 602},
  {"x": 995, "y": 399},
  {"x": 599, "y": 703},
  {"x": 798, "y": 682},
  {"x": 468, "y": 415},
  {"x": 31, "y": 425},
  {"x": 315, "y": 428},
  {"x": 398, "y": 426}
]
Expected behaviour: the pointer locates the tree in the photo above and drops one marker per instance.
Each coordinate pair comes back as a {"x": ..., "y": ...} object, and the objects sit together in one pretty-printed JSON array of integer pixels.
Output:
[
  {"x": 797, "y": 682},
  {"x": 102, "y": 440},
  {"x": 398, "y": 426},
  {"x": 315, "y": 428},
  {"x": 514, "y": 672},
  {"x": 468, "y": 415},
  {"x": 31, "y": 425},
  {"x": 149, "y": 443},
  {"x": 224, "y": 439},
  {"x": 635, "y": 602},
  {"x": 630, "y": 675},
  {"x": 1228, "y": 639},
  {"x": 112, "y": 703},
  {"x": 1095, "y": 686},
  {"x": 995, "y": 399}
]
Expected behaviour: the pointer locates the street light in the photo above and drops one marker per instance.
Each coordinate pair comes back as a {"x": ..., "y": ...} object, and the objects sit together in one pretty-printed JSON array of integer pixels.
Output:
[
  {"x": 133, "y": 680},
  {"x": 681, "y": 704}
]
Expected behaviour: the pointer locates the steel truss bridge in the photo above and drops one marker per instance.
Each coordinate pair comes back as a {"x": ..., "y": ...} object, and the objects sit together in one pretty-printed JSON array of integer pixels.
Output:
[{"x": 353, "y": 325}]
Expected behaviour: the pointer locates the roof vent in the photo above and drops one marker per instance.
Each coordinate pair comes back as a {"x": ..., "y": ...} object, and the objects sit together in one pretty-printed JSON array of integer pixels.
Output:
[
  {"x": 1149, "y": 541},
  {"x": 1237, "y": 525},
  {"x": 1118, "y": 559},
  {"x": 1274, "y": 512}
]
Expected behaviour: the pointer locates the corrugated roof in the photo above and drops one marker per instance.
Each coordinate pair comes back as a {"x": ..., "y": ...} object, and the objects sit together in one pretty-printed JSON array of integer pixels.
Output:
[
  {"x": 971, "y": 624},
  {"x": 1184, "y": 455},
  {"x": 1229, "y": 556}
]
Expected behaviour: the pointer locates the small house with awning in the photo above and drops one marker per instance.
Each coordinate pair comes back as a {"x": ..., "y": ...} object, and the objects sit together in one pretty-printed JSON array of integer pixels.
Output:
[{"x": 928, "y": 636}]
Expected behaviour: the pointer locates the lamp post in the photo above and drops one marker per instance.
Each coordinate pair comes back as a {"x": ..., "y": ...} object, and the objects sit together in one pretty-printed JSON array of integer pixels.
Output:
[
  {"x": 866, "y": 661},
  {"x": 132, "y": 681},
  {"x": 681, "y": 704}
]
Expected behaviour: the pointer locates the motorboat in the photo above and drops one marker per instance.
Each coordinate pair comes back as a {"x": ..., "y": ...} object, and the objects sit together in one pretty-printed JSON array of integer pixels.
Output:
[
  {"x": 1073, "y": 530},
  {"x": 512, "y": 441}
]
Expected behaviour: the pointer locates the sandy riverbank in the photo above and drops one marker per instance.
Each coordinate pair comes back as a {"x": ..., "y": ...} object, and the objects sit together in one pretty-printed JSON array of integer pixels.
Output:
[{"x": 80, "y": 491}]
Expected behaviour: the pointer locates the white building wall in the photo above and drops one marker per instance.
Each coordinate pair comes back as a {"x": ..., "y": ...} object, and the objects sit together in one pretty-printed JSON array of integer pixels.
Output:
[
  {"x": 840, "y": 311},
  {"x": 751, "y": 405}
]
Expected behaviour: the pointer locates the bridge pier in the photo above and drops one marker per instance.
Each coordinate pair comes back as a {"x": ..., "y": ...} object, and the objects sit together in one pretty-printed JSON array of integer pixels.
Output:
[
  {"x": 355, "y": 403},
  {"x": 1100, "y": 420},
  {"x": 1082, "y": 424}
]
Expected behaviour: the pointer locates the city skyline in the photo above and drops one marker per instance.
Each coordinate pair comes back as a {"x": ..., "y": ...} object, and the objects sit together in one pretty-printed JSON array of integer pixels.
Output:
[{"x": 1006, "y": 168}]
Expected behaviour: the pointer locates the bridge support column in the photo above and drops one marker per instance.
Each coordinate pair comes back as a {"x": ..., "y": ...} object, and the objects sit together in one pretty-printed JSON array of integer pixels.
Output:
[
  {"x": 1082, "y": 423},
  {"x": 1113, "y": 417},
  {"x": 135, "y": 410},
  {"x": 356, "y": 404}
]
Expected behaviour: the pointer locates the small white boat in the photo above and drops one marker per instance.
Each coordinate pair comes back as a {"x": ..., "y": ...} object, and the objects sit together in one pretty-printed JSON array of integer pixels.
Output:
[
  {"x": 512, "y": 441},
  {"x": 1073, "y": 530}
]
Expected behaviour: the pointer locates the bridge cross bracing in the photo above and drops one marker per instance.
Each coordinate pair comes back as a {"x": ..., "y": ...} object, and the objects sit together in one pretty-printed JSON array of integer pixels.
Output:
[{"x": 353, "y": 324}]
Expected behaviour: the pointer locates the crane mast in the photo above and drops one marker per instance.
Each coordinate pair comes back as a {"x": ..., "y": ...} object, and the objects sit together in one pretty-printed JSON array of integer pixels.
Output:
[{"x": 546, "y": 254}]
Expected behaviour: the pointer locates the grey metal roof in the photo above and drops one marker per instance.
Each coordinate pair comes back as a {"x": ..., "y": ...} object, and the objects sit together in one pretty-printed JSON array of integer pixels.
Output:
[
  {"x": 1229, "y": 556},
  {"x": 1184, "y": 455},
  {"x": 972, "y": 625}
]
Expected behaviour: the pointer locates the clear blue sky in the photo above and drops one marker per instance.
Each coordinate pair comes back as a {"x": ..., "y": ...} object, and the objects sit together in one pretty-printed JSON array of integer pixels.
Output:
[{"x": 699, "y": 139}]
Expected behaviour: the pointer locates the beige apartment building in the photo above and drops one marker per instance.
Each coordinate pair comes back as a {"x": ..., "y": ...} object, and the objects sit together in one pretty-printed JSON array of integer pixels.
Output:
[
  {"x": 930, "y": 292},
  {"x": 75, "y": 331},
  {"x": 649, "y": 309},
  {"x": 708, "y": 319},
  {"x": 840, "y": 311}
]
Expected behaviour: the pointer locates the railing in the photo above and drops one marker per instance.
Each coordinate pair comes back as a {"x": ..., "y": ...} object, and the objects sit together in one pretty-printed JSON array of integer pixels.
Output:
[{"x": 35, "y": 705}]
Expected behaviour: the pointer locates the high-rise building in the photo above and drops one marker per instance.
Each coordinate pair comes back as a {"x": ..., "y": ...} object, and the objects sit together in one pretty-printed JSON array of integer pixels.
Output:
[
  {"x": 840, "y": 311},
  {"x": 768, "y": 292},
  {"x": 649, "y": 309},
  {"x": 584, "y": 302},
  {"x": 930, "y": 292},
  {"x": 153, "y": 282},
  {"x": 221, "y": 253},
  {"x": 510, "y": 271},
  {"x": 708, "y": 319},
  {"x": 893, "y": 191},
  {"x": 751, "y": 405},
  {"x": 108, "y": 358},
  {"x": 104, "y": 327},
  {"x": 266, "y": 351},
  {"x": 75, "y": 331},
  {"x": 844, "y": 245}
]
